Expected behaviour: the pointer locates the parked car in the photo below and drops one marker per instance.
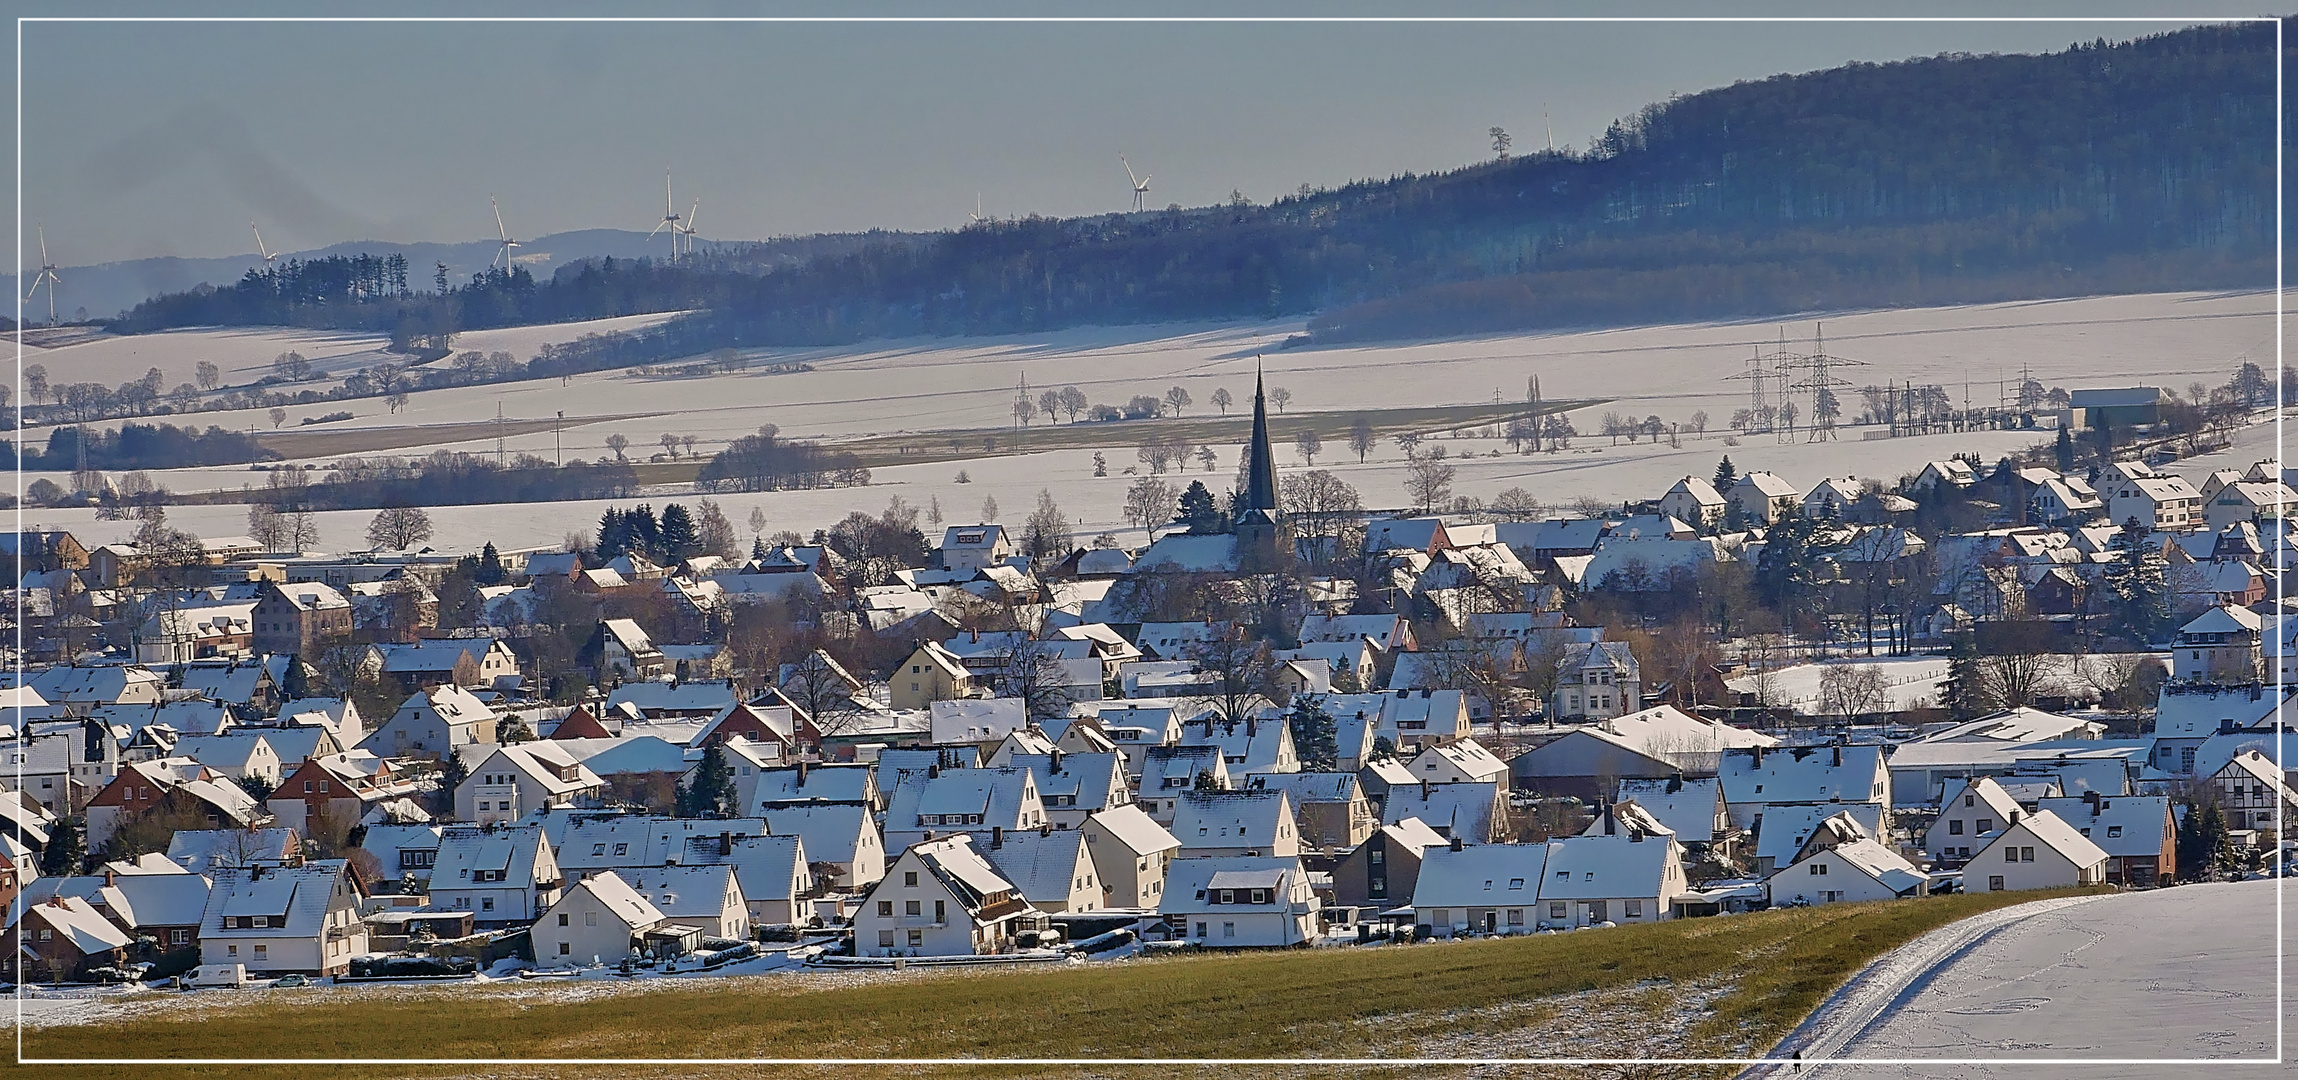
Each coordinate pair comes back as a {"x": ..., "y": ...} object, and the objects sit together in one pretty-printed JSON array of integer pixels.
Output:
[{"x": 290, "y": 981}]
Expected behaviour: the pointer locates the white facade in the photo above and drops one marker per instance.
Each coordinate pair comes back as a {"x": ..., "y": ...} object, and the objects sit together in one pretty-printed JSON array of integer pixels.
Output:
[
  {"x": 596, "y": 922},
  {"x": 2039, "y": 852}
]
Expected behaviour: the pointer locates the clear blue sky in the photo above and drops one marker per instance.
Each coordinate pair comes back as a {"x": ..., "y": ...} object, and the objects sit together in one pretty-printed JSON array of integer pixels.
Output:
[{"x": 147, "y": 139}]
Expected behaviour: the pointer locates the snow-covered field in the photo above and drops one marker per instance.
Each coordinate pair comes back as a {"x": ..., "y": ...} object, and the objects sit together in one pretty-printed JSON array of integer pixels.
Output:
[
  {"x": 1912, "y": 683},
  {"x": 1668, "y": 371},
  {"x": 245, "y": 355}
]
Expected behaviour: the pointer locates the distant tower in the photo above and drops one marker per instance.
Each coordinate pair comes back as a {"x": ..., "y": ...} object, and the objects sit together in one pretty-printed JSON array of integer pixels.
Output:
[{"x": 1257, "y": 518}]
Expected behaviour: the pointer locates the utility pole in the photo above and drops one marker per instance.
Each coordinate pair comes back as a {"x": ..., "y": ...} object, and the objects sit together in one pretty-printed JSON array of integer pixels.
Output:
[{"x": 555, "y": 450}]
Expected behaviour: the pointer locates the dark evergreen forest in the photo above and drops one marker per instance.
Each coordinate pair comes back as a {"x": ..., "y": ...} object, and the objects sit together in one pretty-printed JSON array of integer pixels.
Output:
[{"x": 2105, "y": 168}]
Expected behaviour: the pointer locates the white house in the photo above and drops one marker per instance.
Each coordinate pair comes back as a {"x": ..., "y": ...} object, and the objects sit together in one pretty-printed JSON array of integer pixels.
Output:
[
  {"x": 432, "y": 724},
  {"x": 2039, "y": 851},
  {"x": 515, "y": 780},
  {"x": 501, "y": 876},
  {"x": 707, "y": 897},
  {"x": 841, "y": 840},
  {"x": 975, "y": 547},
  {"x": 1131, "y": 854},
  {"x": 771, "y": 870},
  {"x": 1695, "y": 501},
  {"x": 601, "y": 920},
  {"x": 1462, "y": 762},
  {"x": 282, "y": 920},
  {"x": 1847, "y": 873},
  {"x": 1967, "y": 818},
  {"x": 941, "y": 898},
  {"x": 1763, "y": 498},
  {"x": 1621, "y": 876},
  {"x": 1478, "y": 888},
  {"x": 2161, "y": 502},
  {"x": 1241, "y": 902}
]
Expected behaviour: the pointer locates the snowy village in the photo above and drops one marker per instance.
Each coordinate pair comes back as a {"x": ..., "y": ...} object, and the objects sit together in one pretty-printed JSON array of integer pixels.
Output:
[{"x": 1278, "y": 724}]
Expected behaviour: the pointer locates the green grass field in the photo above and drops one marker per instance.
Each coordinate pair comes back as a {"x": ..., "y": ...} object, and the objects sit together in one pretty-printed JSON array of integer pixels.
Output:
[{"x": 1773, "y": 967}]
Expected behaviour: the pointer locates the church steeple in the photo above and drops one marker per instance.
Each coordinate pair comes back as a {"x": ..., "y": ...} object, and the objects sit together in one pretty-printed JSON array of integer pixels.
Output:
[
  {"x": 1261, "y": 473},
  {"x": 1256, "y": 524}
]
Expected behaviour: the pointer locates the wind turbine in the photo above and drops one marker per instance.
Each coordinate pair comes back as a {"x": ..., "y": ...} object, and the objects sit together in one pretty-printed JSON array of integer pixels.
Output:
[
  {"x": 670, "y": 218},
  {"x": 1140, "y": 184},
  {"x": 690, "y": 228},
  {"x": 503, "y": 253},
  {"x": 268, "y": 254},
  {"x": 47, "y": 275},
  {"x": 975, "y": 218}
]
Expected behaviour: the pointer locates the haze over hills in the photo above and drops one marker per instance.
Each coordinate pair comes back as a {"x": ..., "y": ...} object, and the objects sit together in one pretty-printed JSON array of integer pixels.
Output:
[
  {"x": 2137, "y": 166},
  {"x": 106, "y": 290}
]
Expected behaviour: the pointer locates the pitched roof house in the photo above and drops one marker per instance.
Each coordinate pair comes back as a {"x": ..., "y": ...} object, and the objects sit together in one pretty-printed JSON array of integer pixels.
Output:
[
  {"x": 281, "y": 920},
  {"x": 941, "y": 898}
]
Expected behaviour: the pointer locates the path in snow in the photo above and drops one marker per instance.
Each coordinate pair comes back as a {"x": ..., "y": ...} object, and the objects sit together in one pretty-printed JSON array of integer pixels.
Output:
[{"x": 2183, "y": 973}]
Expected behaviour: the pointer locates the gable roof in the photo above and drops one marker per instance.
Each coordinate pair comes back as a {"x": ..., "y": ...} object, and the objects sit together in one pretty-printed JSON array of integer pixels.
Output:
[
  {"x": 619, "y": 899},
  {"x": 1477, "y": 875}
]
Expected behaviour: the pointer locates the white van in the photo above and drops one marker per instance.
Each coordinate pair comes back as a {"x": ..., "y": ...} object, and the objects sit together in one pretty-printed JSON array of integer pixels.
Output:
[{"x": 231, "y": 975}]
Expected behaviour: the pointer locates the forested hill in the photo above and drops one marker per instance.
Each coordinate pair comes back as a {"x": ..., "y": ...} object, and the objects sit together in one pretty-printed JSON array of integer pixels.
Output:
[{"x": 2120, "y": 167}]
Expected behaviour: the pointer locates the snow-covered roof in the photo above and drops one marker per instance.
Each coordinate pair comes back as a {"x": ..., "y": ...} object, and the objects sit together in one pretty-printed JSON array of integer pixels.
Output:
[
  {"x": 620, "y": 900},
  {"x": 1881, "y": 863},
  {"x": 1787, "y": 827},
  {"x": 682, "y": 892},
  {"x": 75, "y": 920},
  {"x": 1250, "y": 818},
  {"x": 1602, "y": 867},
  {"x": 1688, "y": 808},
  {"x": 767, "y": 867},
  {"x": 2051, "y": 829},
  {"x": 831, "y": 831},
  {"x": 1133, "y": 827},
  {"x": 2122, "y": 826},
  {"x": 1044, "y": 866},
  {"x": 1465, "y": 811},
  {"x": 1800, "y": 774}
]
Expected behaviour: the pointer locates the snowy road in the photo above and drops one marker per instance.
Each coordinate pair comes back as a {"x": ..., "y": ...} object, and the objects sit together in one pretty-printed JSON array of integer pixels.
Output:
[{"x": 2173, "y": 974}]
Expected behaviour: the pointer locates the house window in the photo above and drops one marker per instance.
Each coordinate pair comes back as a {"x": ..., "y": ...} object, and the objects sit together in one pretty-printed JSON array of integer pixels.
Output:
[
  {"x": 2114, "y": 831},
  {"x": 486, "y": 903},
  {"x": 263, "y": 952},
  {"x": 590, "y": 918},
  {"x": 1515, "y": 883},
  {"x": 1995, "y": 883},
  {"x": 1516, "y": 916},
  {"x": 1955, "y": 827},
  {"x": 941, "y": 911},
  {"x": 917, "y": 938},
  {"x": 1200, "y": 929},
  {"x": 565, "y": 947},
  {"x": 886, "y": 911},
  {"x": 885, "y": 939},
  {"x": 232, "y": 950},
  {"x": 1228, "y": 896},
  {"x": 563, "y": 918},
  {"x": 910, "y": 879},
  {"x": 622, "y": 849},
  {"x": 1984, "y": 825},
  {"x": 1260, "y": 896},
  {"x": 2010, "y": 854},
  {"x": 2026, "y": 854},
  {"x": 1819, "y": 868},
  {"x": 1633, "y": 909},
  {"x": 179, "y": 937},
  {"x": 912, "y": 908},
  {"x": 1228, "y": 929}
]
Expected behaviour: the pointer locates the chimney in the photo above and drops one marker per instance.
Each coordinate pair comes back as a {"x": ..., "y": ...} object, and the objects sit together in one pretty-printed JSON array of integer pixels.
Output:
[
  {"x": 1611, "y": 822},
  {"x": 996, "y": 837},
  {"x": 1424, "y": 791},
  {"x": 801, "y": 772},
  {"x": 1457, "y": 843},
  {"x": 1759, "y": 757},
  {"x": 1838, "y": 755},
  {"x": 2096, "y": 802},
  {"x": 1675, "y": 783},
  {"x": 110, "y": 878},
  {"x": 1054, "y": 764},
  {"x": 726, "y": 843},
  {"x": 933, "y": 772}
]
